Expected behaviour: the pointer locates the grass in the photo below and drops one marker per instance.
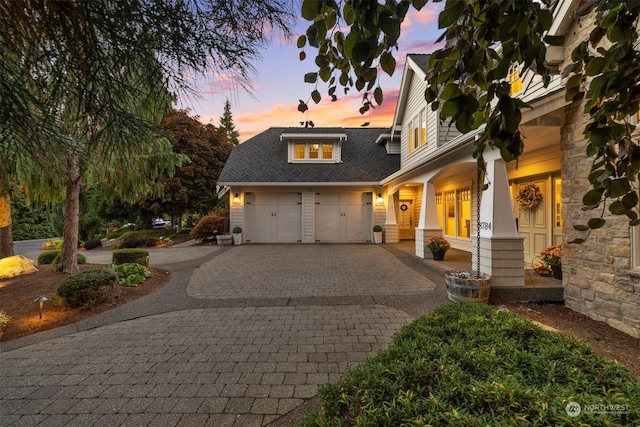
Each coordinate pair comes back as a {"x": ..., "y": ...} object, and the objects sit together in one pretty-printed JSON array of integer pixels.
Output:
[{"x": 470, "y": 364}]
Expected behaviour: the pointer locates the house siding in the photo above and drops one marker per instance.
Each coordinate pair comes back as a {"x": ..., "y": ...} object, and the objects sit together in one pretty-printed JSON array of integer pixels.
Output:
[{"x": 598, "y": 276}]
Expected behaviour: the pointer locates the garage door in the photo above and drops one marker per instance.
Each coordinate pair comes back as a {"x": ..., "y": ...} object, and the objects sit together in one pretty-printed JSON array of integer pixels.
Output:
[
  {"x": 273, "y": 217},
  {"x": 343, "y": 217}
]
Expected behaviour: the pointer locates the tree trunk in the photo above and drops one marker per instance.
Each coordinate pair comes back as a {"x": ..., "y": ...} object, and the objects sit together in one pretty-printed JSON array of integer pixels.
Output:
[
  {"x": 69, "y": 256},
  {"x": 6, "y": 237},
  {"x": 179, "y": 229}
]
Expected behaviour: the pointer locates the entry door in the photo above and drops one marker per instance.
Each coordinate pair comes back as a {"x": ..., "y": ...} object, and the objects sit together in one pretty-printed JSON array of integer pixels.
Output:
[
  {"x": 343, "y": 217},
  {"x": 406, "y": 228},
  {"x": 273, "y": 217},
  {"x": 534, "y": 225}
]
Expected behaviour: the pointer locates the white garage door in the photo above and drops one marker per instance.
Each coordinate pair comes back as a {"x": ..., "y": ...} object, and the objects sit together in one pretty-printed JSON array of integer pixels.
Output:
[
  {"x": 273, "y": 217},
  {"x": 343, "y": 217}
]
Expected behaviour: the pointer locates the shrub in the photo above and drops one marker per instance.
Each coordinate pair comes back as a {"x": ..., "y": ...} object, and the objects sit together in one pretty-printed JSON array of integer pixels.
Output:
[
  {"x": 151, "y": 243},
  {"x": 131, "y": 242},
  {"x": 53, "y": 257},
  {"x": 377, "y": 228},
  {"x": 123, "y": 256},
  {"x": 4, "y": 318},
  {"x": 470, "y": 364},
  {"x": 47, "y": 257},
  {"x": 52, "y": 244},
  {"x": 92, "y": 244},
  {"x": 237, "y": 229},
  {"x": 88, "y": 288},
  {"x": 215, "y": 223},
  {"x": 131, "y": 274}
]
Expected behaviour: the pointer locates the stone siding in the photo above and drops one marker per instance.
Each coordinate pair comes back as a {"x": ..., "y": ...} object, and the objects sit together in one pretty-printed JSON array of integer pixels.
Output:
[{"x": 598, "y": 275}]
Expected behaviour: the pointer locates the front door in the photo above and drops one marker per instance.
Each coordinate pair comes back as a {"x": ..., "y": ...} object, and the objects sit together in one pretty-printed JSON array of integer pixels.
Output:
[
  {"x": 534, "y": 224},
  {"x": 406, "y": 228}
]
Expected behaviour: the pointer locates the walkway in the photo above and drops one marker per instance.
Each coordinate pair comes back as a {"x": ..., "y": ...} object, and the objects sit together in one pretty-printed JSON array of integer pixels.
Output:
[{"x": 240, "y": 336}]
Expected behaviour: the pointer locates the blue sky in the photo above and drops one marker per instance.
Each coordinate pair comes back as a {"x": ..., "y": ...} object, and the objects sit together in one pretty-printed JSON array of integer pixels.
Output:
[{"x": 278, "y": 84}]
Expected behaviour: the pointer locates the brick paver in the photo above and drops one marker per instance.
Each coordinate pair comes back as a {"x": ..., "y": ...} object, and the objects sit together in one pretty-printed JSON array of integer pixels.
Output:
[{"x": 242, "y": 364}]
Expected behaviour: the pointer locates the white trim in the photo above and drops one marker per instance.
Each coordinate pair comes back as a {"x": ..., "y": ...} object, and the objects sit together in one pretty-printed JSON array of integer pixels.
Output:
[
  {"x": 303, "y": 184},
  {"x": 310, "y": 135}
]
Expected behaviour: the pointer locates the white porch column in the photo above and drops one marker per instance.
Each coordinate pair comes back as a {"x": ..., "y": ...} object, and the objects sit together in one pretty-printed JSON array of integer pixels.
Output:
[
  {"x": 501, "y": 249},
  {"x": 428, "y": 224},
  {"x": 391, "y": 230}
]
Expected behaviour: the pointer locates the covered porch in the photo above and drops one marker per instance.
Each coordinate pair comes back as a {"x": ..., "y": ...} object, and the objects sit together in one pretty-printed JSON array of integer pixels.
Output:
[{"x": 536, "y": 288}]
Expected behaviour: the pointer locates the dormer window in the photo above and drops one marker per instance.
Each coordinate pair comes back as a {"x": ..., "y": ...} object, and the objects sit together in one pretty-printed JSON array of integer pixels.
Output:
[{"x": 314, "y": 148}]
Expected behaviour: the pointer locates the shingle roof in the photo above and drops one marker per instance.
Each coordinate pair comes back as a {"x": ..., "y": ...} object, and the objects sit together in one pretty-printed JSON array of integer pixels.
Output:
[
  {"x": 264, "y": 158},
  {"x": 421, "y": 60}
]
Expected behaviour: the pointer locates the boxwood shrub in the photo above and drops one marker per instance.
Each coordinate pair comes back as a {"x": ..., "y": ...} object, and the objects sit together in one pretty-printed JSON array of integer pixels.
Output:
[
  {"x": 92, "y": 244},
  {"x": 468, "y": 364},
  {"x": 137, "y": 256},
  {"x": 53, "y": 257},
  {"x": 87, "y": 288}
]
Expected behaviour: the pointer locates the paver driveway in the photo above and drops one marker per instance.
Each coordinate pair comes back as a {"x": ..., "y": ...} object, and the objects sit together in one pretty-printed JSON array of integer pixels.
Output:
[{"x": 243, "y": 340}]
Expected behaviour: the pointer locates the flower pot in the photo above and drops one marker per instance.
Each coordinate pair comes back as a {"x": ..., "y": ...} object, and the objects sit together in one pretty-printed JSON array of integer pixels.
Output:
[
  {"x": 377, "y": 236},
  {"x": 224, "y": 239},
  {"x": 438, "y": 255},
  {"x": 465, "y": 285},
  {"x": 557, "y": 271},
  {"x": 237, "y": 238}
]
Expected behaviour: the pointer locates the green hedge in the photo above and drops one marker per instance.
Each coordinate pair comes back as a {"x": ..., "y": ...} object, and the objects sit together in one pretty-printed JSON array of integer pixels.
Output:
[
  {"x": 53, "y": 257},
  {"x": 88, "y": 288},
  {"x": 136, "y": 256},
  {"x": 468, "y": 364}
]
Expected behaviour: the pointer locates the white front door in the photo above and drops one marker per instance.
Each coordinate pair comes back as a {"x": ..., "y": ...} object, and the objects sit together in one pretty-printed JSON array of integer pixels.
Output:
[
  {"x": 273, "y": 217},
  {"x": 534, "y": 225},
  {"x": 343, "y": 217}
]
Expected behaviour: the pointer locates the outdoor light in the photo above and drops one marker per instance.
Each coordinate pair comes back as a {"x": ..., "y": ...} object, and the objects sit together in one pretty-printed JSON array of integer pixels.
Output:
[
  {"x": 41, "y": 300},
  {"x": 236, "y": 199},
  {"x": 379, "y": 200}
]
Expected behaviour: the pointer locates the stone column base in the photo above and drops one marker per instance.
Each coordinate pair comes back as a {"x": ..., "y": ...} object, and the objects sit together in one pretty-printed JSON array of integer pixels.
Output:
[
  {"x": 502, "y": 258},
  {"x": 422, "y": 235},
  {"x": 391, "y": 233}
]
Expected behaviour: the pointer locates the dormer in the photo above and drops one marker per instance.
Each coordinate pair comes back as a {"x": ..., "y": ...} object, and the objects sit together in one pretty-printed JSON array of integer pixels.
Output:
[{"x": 314, "y": 147}]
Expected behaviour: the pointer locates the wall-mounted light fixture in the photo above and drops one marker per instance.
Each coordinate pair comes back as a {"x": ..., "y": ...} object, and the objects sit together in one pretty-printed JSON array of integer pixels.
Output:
[
  {"x": 379, "y": 200},
  {"x": 236, "y": 199}
]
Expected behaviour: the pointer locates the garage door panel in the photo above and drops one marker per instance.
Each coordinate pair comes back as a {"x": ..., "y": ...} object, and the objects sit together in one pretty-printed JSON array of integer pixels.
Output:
[
  {"x": 343, "y": 217},
  {"x": 273, "y": 217}
]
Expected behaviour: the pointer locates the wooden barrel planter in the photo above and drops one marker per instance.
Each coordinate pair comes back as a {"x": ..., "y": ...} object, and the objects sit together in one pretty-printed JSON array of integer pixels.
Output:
[{"x": 464, "y": 285}]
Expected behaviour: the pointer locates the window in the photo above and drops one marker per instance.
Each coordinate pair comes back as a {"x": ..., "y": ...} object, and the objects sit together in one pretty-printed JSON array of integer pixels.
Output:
[
  {"x": 450, "y": 213},
  {"x": 423, "y": 126},
  {"x": 464, "y": 213},
  {"x": 327, "y": 151},
  {"x": 514, "y": 80},
  {"x": 314, "y": 148},
  {"x": 313, "y": 151},
  {"x": 410, "y": 133}
]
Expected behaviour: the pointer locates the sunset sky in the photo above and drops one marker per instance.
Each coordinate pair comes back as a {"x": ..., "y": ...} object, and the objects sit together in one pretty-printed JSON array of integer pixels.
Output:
[{"x": 278, "y": 85}]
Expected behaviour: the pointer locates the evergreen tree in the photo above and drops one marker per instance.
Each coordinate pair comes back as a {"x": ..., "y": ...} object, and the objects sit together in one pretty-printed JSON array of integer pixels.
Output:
[{"x": 227, "y": 126}]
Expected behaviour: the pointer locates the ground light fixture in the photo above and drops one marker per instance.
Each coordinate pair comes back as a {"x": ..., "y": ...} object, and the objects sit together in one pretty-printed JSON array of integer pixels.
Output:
[{"x": 41, "y": 301}]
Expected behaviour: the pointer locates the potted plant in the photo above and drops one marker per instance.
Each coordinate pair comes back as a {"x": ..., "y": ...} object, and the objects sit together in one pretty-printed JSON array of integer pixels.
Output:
[
  {"x": 552, "y": 257},
  {"x": 237, "y": 235},
  {"x": 377, "y": 233},
  {"x": 438, "y": 246}
]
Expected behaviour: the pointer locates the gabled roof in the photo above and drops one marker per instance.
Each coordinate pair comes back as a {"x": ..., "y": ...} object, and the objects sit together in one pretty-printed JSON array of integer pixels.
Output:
[
  {"x": 264, "y": 159},
  {"x": 416, "y": 63}
]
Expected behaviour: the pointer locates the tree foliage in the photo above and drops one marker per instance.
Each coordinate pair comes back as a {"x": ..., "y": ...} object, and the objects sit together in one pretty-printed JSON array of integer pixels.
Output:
[
  {"x": 190, "y": 188},
  {"x": 91, "y": 43},
  {"x": 227, "y": 125},
  {"x": 466, "y": 80}
]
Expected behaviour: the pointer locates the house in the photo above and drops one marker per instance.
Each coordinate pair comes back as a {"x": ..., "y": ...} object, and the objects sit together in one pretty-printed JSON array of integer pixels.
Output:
[
  {"x": 419, "y": 179},
  {"x": 309, "y": 185}
]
